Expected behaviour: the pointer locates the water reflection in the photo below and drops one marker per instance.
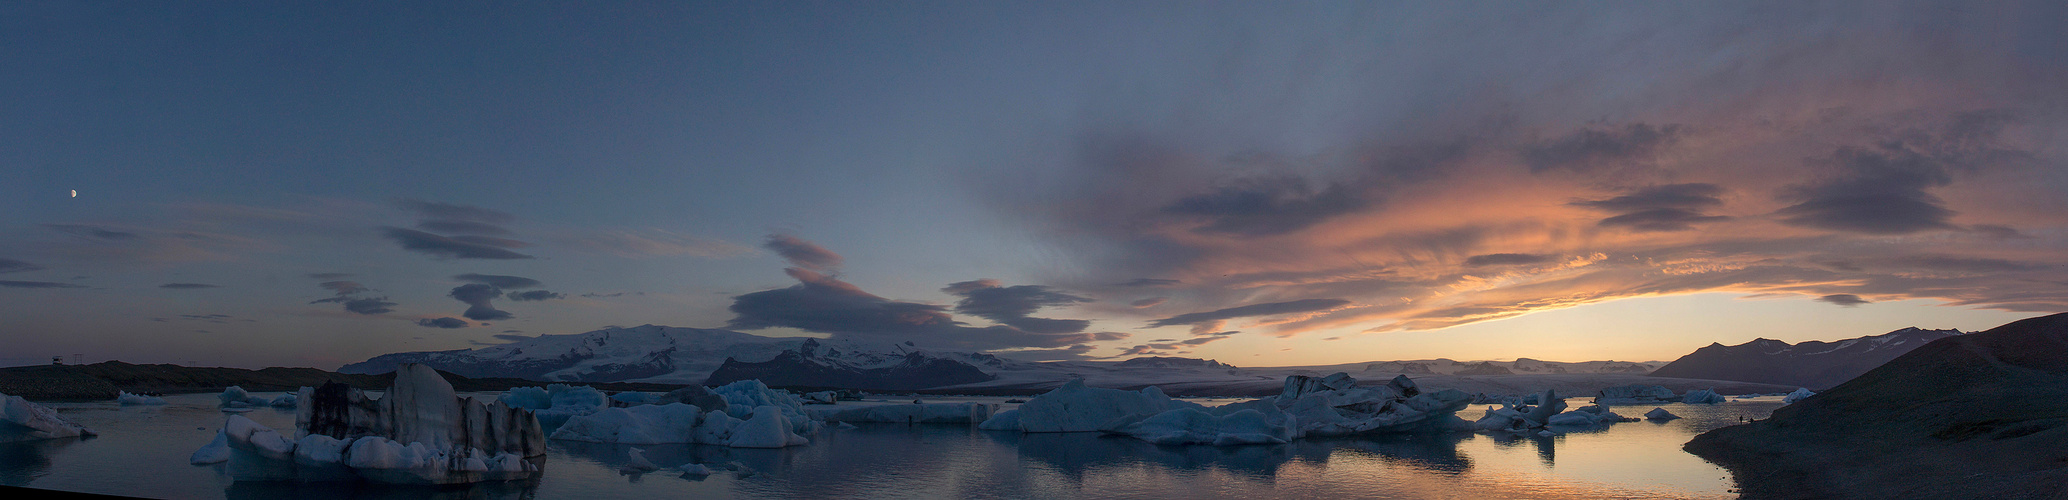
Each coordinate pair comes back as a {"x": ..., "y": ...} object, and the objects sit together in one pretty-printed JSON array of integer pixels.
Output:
[
  {"x": 360, "y": 490},
  {"x": 1433, "y": 453},
  {"x": 24, "y": 461}
]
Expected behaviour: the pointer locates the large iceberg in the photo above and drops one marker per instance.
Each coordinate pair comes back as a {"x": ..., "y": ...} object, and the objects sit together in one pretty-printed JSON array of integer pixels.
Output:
[
  {"x": 1075, "y": 407},
  {"x": 1660, "y": 414},
  {"x": 21, "y": 420},
  {"x": 554, "y": 404},
  {"x": 420, "y": 432},
  {"x": 745, "y": 414},
  {"x": 1701, "y": 396},
  {"x": 1518, "y": 417},
  {"x": 1307, "y": 406},
  {"x": 1635, "y": 394},
  {"x": 236, "y": 397},
  {"x": 127, "y": 399},
  {"x": 1798, "y": 395}
]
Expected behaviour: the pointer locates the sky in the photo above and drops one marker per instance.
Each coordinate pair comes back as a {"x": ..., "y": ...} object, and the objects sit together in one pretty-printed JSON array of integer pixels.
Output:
[{"x": 1268, "y": 184}]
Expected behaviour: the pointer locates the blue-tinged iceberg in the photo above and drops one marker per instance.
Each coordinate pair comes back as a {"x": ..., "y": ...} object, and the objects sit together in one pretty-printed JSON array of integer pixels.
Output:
[{"x": 21, "y": 420}]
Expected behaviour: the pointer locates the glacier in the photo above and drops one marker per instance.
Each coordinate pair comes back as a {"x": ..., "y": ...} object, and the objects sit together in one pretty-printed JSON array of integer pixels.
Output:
[
  {"x": 21, "y": 420},
  {"x": 420, "y": 432}
]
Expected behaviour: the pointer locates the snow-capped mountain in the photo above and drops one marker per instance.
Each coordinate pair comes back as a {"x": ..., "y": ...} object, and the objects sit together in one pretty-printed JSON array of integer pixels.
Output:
[
  {"x": 1813, "y": 364},
  {"x": 650, "y": 353},
  {"x": 813, "y": 364}
]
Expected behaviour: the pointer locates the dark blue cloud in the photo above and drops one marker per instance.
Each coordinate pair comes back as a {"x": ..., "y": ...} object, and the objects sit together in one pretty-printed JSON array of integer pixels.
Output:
[
  {"x": 38, "y": 284},
  {"x": 442, "y": 323},
  {"x": 446, "y": 247},
  {"x": 1884, "y": 188},
  {"x": 477, "y": 297},
  {"x": 1263, "y": 206},
  {"x": 15, "y": 266},
  {"x": 1598, "y": 147},
  {"x": 93, "y": 232},
  {"x": 534, "y": 295},
  {"x": 820, "y": 303},
  {"x": 1014, "y": 305},
  {"x": 1844, "y": 299},
  {"x": 499, "y": 281},
  {"x": 1671, "y": 207}
]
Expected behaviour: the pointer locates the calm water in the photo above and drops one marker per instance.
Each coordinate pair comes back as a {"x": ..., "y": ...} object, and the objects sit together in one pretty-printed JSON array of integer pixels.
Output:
[{"x": 142, "y": 451}]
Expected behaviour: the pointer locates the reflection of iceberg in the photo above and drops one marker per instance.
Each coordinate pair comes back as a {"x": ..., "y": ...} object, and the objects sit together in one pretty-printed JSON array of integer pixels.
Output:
[
  {"x": 1308, "y": 406},
  {"x": 23, "y": 462},
  {"x": 419, "y": 433},
  {"x": 1433, "y": 452},
  {"x": 21, "y": 420}
]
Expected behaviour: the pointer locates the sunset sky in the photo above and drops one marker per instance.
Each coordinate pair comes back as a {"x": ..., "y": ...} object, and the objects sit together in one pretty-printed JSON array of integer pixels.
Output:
[{"x": 1263, "y": 183}]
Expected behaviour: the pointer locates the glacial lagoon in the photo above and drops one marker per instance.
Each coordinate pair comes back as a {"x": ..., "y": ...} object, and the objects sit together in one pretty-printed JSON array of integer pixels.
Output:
[{"x": 143, "y": 451}]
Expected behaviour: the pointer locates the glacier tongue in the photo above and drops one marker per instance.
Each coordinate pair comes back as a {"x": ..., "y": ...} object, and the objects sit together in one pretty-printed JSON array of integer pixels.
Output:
[{"x": 421, "y": 432}]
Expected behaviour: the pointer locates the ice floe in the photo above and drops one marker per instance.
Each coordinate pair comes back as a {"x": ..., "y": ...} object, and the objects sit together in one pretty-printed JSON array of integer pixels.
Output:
[
  {"x": 127, "y": 399},
  {"x": 21, "y": 420}
]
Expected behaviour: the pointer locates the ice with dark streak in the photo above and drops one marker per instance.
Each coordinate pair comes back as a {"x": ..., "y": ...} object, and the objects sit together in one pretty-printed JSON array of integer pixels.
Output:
[
  {"x": 21, "y": 420},
  {"x": 420, "y": 432}
]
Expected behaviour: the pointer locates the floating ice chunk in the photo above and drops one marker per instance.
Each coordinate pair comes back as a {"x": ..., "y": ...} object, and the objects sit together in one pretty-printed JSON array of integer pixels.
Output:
[
  {"x": 635, "y": 398},
  {"x": 744, "y": 398},
  {"x": 127, "y": 399},
  {"x": 766, "y": 429},
  {"x": 822, "y": 397},
  {"x": 1701, "y": 396},
  {"x": 318, "y": 449},
  {"x": 251, "y": 436},
  {"x": 1660, "y": 414},
  {"x": 716, "y": 428},
  {"x": 638, "y": 460},
  {"x": 1550, "y": 404},
  {"x": 643, "y": 424},
  {"x": 929, "y": 413},
  {"x": 1506, "y": 419},
  {"x": 284, "y": 401},
  {"x": 1798, "y": 395},
  {"x": 698, "y": 396},
  {"x": 236, "y": 397},
  {"x": 21, "y": 420},
  {"x": 1636, "y": 393},
  {"x": 1008, "y": 420},
  {"x": 1077, "y": 408},
  {"x": 554, "y": 404},
  {"x": 696, "y": 469},
  {"x": 215, "y": 452}
]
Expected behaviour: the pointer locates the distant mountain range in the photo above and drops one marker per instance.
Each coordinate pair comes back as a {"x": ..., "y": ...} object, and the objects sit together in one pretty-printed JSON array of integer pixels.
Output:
[
  {"x": 671, "y": 355},
  {"x": 1813, "y": 364}
]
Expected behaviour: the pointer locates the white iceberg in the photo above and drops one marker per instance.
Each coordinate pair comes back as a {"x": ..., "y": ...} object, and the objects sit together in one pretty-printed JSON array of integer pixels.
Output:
[
  {"x": 285, "y": 400},
  {"x": 1634, "y": 394},
  {"x": 554, "y": 404},
  {"x": 1798, "y": 395},
  {"x": 1701, "y": 396},
  {"x": 767, "y": 428},
  {"x": 1660, "y": 414},
  {"x": 1514, "y": 416},
  {"x": 925, "y": 413},
  {"x": 1587, "y": 416},
  {"x": 644, "y": 424},
  {"x": 421, "y": 432},
  {"x": 21, "y": 420},
  {"x": 1075, "y": 407},
  {"x": 1308, "y": 406},
  {"x": 236, "y": 397},
  {"x": 126, "y": 399}
]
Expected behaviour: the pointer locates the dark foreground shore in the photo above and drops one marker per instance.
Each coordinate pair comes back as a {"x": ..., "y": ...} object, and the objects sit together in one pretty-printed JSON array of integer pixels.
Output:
[{"x": 1983, "y": 415}]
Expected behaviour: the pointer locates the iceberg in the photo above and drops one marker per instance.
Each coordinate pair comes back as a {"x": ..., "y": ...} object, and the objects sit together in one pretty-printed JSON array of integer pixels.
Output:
[
  {"x": 1307, "y": 406},
  {"x": 1587, "y": 416},
  {"x": 236, "y": 397},
  {"x": 1701, "y": 396},
  {"x": 21, "y": 420},
  {"x": 127, "y": 399},
  {"x": 1660, "y": 414},
  {"x": 1075, "y": 407},
  {"x": 1635, "y": 394},
  {"x": 285, "y": 400},
  {"x": 1798, "y": 395},
  {"x": 925, "y": 413},
  {"x": 420, "y": 432},
  {"x": 554, "y": 404},
  {"x": 1514, "y": 416},
  {"x": 777, "y": 421}
]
